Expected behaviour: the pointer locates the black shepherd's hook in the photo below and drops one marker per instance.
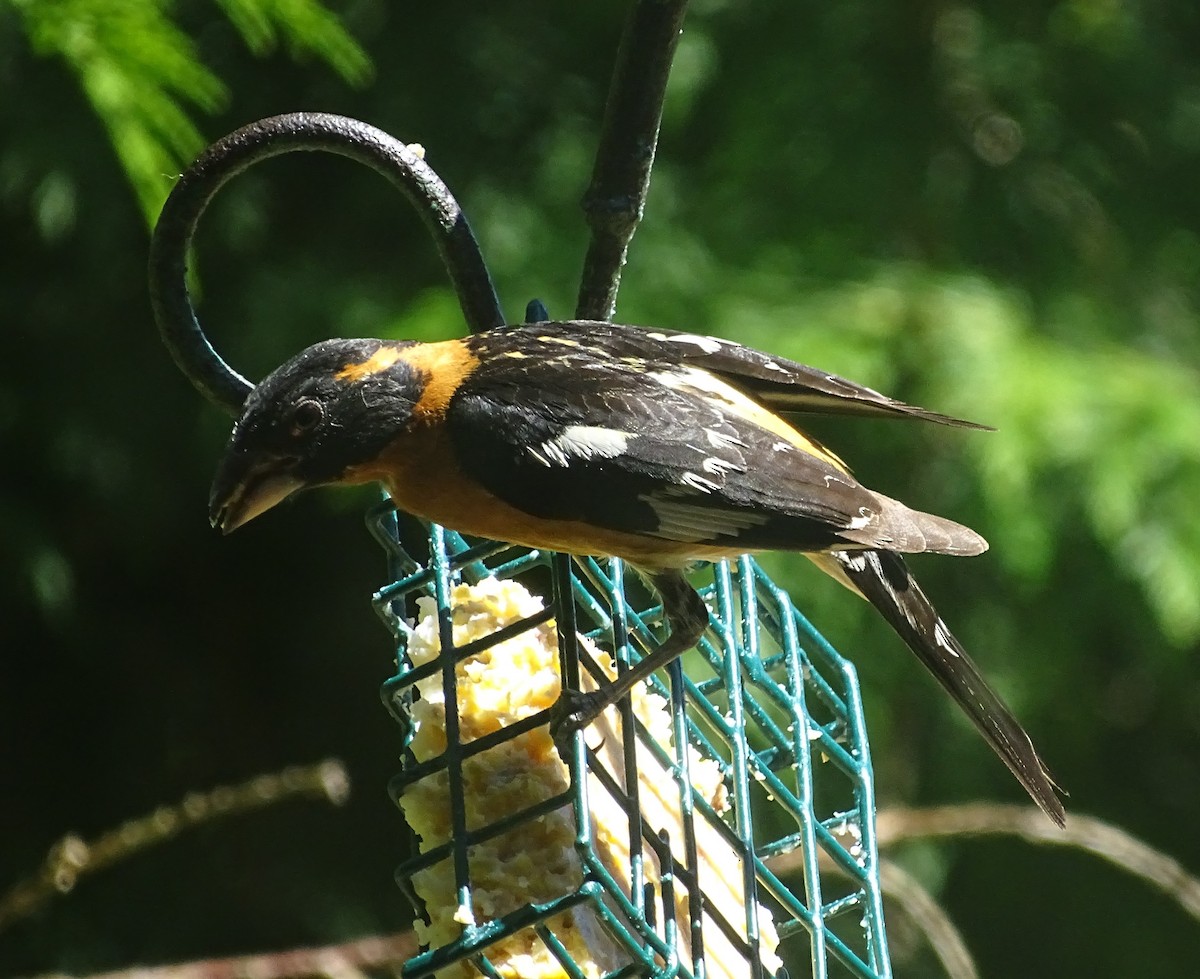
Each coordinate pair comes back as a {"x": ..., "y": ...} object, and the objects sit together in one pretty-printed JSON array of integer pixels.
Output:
[{"x": 226, "y": 158}]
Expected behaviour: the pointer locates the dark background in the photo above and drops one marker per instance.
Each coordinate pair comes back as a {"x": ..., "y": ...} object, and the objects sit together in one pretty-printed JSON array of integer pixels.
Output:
[{"x": 989, "y": 209}]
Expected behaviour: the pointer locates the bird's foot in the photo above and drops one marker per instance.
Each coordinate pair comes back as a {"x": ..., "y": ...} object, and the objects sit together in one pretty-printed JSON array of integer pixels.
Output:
[{"x": 572, "y": 712}]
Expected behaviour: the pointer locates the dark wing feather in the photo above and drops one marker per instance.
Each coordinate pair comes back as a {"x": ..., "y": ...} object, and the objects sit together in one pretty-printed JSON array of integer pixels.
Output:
[
  {"x": 617, "y": 450},
  {"x": 784, "y": 385},
  {"x": 884, "y": 580},
  {"x": 563, "y": 429}
]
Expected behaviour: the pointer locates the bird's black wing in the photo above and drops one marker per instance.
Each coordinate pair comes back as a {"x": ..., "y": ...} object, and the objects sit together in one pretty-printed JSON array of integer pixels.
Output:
[
  {"x": 578, "y": 427},
  {"x": 884, "y": 580},
  {"x": 784, "y": 385}
]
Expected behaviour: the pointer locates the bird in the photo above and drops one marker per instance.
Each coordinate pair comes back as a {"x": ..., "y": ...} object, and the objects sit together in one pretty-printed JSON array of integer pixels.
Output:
[{"x": 592, "y": 438}]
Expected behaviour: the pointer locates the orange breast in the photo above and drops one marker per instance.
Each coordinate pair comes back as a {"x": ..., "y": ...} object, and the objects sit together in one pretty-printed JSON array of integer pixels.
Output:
[{"x": 420, "y": 472}]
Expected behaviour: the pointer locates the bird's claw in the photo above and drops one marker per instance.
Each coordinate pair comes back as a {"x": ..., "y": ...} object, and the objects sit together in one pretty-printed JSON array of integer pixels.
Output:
[{"x": 572, "y": 712}]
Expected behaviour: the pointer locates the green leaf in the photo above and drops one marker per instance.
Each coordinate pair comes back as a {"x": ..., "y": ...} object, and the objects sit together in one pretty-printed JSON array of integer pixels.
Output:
[{"x": 144, "y": 78}]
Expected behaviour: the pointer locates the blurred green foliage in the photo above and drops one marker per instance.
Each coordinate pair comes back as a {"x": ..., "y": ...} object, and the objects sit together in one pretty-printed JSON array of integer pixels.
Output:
[
  {"x": 988, "y": 209},
  {"x": 141, "y": 72}
]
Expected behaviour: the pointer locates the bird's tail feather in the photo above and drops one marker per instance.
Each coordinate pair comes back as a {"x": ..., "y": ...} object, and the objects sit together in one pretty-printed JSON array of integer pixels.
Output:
[
  {"x": 883, "y": 579},
  {"x": 896, "y": 527}
]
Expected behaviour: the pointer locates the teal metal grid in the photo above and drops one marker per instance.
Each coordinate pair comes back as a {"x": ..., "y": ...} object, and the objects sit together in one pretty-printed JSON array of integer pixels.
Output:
[{"x": 763, "y": 695}]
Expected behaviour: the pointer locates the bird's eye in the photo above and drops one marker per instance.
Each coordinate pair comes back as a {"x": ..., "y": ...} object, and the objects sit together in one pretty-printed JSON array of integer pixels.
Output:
[{"x": 306, "y": 416}]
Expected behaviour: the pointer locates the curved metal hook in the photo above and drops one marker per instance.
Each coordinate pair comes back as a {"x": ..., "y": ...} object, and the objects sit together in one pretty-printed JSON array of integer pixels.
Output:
[{"x": 169, "y": 296}]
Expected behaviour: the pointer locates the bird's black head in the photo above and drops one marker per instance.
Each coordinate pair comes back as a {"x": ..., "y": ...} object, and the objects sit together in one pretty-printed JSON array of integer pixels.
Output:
[{"x": 333, "y": 406}]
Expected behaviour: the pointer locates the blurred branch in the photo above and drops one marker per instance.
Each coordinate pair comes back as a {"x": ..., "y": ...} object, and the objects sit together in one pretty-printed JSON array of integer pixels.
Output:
[
  {"x": 931, "y": 919},
  {"x": 614, "y": 202},
  {"x": 141, "y": 72},
  {"x": 1024, "y": 822},
  {"x": 72, "y": 857},
  {"x": 330, "y": 960},
  {"x": 1027, "y": 823}
]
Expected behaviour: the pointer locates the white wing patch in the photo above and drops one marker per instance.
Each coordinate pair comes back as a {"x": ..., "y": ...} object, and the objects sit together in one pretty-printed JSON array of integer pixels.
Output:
[
  {"x": 688, "y": 522},
  {"x": 701, "y": 483},
  {"x": 695, "y": 379},
  {"x": 581, "y": 442},
  {"x": 720, "y": 467},
  {"x": 719, "y": 440},
  {"x": 943, "y": 637},
  {"x": 709, "y": 345},
  {"x": 857, "y": 562},
  {"x": 863, "y": 519}
]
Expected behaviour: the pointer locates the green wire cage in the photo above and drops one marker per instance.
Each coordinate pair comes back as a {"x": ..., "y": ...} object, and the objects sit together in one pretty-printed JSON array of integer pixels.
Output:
[{"x": 764, "y": 701}]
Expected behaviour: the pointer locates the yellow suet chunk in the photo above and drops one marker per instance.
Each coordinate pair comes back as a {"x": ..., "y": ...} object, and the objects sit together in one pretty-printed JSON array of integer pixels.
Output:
[{"x": 537, "y": 861}]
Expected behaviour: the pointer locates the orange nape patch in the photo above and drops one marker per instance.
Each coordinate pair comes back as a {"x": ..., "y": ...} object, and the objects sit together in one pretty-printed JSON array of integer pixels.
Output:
[
  {"x": 442, "y": 367},
  {"x": 380, "y": 360}
]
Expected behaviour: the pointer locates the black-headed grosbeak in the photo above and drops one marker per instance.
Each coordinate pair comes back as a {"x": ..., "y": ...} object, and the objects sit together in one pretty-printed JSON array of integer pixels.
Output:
[{"x": 657, "y": 447}]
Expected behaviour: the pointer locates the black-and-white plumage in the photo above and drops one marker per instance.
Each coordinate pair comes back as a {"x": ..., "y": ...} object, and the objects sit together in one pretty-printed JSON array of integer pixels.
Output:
[
  {"x": 607, "y": 430},
  {"x": 660, "y": 448}
]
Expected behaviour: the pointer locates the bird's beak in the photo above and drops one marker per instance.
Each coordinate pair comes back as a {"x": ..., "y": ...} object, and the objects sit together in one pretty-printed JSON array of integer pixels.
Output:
[{"x": 246, "y": 486}]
